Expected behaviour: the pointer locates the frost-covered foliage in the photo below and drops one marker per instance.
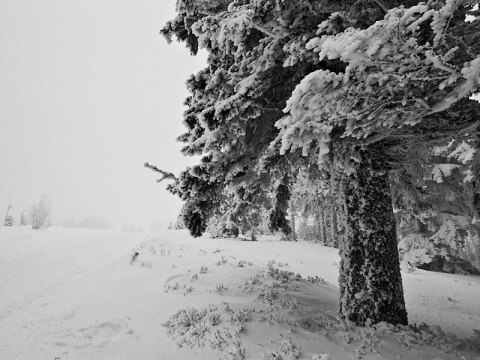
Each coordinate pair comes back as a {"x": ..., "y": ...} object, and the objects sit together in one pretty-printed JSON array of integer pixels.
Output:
[
  {"x": 243, "y": 210},
  {"x": 330, "y": 88},
  {"x": 237, "y": 99},
  {"x": 394, "y": 78},
  {"x": 435, "y": 211},
  {"x": 41, "y": 213}
]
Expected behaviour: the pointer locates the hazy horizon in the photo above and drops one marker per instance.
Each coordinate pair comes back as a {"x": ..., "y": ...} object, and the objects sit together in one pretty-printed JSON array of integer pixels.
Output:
[{"x": 89, "y": 92}]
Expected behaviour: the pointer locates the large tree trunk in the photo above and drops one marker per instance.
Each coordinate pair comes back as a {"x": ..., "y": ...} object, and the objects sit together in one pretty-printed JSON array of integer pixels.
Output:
[{"x": 370, "y": 279}]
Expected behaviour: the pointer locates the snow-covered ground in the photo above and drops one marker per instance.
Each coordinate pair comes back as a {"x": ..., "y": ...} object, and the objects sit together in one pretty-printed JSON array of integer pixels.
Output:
[{"x": 77, "y": 294}]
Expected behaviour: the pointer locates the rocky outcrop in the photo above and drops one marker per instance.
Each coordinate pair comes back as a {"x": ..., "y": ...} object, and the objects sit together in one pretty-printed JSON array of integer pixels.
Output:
[{"x": 452, "y": 265}]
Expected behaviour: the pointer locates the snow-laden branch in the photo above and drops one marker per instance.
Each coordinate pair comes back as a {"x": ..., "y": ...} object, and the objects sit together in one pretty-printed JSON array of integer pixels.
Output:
[
  {"x": 392, "y": 79},
  {"x": 165, "y": 174}
]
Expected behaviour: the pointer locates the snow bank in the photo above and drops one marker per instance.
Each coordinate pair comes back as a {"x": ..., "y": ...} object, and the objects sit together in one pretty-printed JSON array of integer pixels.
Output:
[{"x": 98, "y": 294}]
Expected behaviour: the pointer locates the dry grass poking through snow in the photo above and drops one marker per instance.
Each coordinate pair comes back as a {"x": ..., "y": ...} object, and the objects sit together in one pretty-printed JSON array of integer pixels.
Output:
[
  {"x": 101, "y": 295},
  {"x": 290, "y": 329}
]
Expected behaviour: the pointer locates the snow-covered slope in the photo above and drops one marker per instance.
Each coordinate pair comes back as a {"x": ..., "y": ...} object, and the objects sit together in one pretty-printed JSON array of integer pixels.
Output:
[{"x": 77, "y": 294}]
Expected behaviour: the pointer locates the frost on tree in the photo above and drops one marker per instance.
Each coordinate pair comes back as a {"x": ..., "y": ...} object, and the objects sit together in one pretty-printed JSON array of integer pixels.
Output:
[
  {"x": 435, "y": 210},
  {"x": 328, "y": 87},
  {"x": 399, "y": 71},
  {"x": 235, "y": 103}
]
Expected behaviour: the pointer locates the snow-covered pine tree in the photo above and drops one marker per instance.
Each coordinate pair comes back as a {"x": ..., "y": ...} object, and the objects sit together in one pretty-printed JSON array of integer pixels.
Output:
[
  {"x": 236, "y": 101},
  {"x": 400, "y": 73},
  {"x": 354, "y": 87},
  {"x": 23, "y": 220},
  {"x": 9, "y": 221}
]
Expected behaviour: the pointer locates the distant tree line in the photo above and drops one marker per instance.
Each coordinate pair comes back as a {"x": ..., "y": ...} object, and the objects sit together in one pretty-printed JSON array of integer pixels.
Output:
[{"x": 39, "y": 216}]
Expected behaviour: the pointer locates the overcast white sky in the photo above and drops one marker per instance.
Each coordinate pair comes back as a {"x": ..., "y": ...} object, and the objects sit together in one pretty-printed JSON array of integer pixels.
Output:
[{"x": 89, "y": 91}]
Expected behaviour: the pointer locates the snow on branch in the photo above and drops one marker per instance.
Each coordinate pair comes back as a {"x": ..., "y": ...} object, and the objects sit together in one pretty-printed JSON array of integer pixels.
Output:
[
  {"x": 393, "y": 79},
  {"x": 165, "y": 174}
]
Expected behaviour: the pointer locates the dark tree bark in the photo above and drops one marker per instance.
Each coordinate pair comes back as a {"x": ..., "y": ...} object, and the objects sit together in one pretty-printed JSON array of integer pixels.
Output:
[{"x": 370, "y": 280}]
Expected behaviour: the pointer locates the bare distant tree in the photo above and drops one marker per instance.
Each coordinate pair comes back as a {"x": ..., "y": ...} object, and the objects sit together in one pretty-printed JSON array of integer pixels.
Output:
[{"x": 41, "y": 213}]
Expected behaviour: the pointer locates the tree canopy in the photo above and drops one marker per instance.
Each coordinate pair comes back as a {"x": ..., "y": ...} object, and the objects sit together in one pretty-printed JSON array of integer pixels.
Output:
[{"x": 341, "y": 89}]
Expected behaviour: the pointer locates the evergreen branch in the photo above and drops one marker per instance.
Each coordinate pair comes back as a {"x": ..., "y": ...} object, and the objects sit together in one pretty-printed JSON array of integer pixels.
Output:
[
  {"x": 266, "y": 31},
  {"x": 381, "y": 6},
  {"x": 165, "y": 174},
  {"x": 267, "y": 108}
]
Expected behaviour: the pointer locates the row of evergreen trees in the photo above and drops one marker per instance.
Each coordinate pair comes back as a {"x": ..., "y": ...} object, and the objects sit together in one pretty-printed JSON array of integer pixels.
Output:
[
  {"x": 10, "y": 220},
  {"x": 354, "y": 95}
]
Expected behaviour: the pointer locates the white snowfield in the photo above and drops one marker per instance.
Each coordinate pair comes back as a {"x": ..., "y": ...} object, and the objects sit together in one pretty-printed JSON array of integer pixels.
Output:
[{"x": 77, "y": 294}]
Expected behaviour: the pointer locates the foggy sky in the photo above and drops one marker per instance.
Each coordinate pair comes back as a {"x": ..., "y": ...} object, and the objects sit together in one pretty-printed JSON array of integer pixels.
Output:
[{"x": 89, "y": 91}]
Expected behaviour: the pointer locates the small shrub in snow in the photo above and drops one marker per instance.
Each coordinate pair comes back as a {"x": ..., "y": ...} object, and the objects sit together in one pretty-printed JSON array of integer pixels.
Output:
[
  {"x": 321, "y": 357},
  {"x": 218, "y": 342},
  {"x": 134, "y": 257},
  {"x": 146, "y": 264},
  {"x": 316, "y": 280},
  {"x": 203, "y": 269},
  {"x": 240, "y": 316},
  {"x": 272, "y": 355},
  {"x": 214, "y": 319},
  {"x": 172, "y": 287},
  {"x": 255, "y": 280},
  {"x": 188, "y": 289},
  {"x": 220, "y": 289},
  {"x": 288, "y": 351},
  {"x": 279, "y": 275},
  {"x": 235, "y": 353},
  {"x": 187, "y": 322},
  {"x": 268, "y": 294},
  {"x": 41, "y": 213}
]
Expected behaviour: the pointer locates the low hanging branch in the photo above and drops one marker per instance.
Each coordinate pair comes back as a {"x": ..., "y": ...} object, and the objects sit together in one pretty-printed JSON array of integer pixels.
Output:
[{"x": 165, "y": 174}]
